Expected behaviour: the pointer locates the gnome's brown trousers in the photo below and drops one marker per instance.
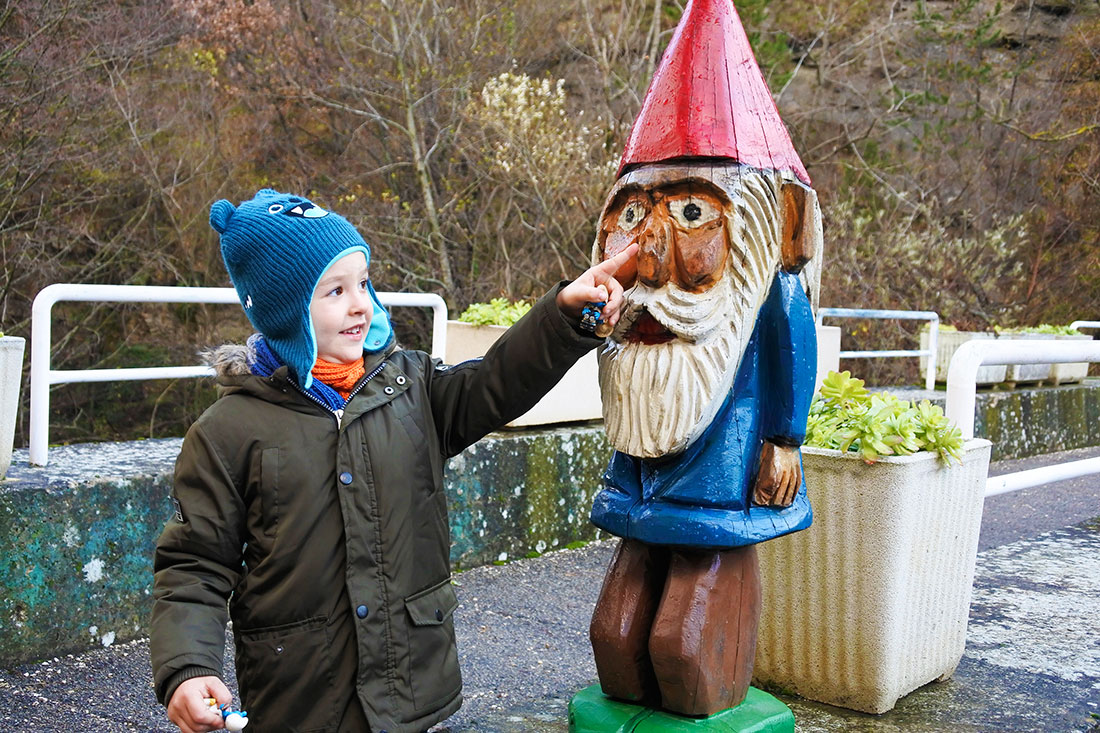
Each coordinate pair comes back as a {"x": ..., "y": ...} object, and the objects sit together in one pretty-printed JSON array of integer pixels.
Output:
[{"x": 676, "y": 628}]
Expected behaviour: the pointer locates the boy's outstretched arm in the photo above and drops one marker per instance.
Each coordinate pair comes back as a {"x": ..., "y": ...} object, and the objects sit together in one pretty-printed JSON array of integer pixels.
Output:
[
  {"x": 597, "y": 285},
  {"x": 189, "y": 707}
]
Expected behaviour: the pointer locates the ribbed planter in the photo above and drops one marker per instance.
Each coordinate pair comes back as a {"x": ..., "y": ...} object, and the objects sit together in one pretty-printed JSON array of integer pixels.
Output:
[
  {"x": 872, "y": 601},
  {"x": 11, "y": 375},
  {"x": 575, "y": 398},
  {"x": 1027, "y": 373},
  {"x": 947, "y": 343},
  {"x": 1071, "y": 372}
]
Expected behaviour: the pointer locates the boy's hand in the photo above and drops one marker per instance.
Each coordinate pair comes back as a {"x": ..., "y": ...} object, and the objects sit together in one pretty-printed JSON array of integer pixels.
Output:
[
  {"x": 190, "y": 708},
  {"x": 597, "y": 285}
]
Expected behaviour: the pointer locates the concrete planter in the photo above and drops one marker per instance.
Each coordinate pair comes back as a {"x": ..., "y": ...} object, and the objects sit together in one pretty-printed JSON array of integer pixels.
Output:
[
  {"x": 11, "y": 376},
  {"x": 1027, "y": 373},
  {"x": 1072, "y": 372},
  {"x": 872, "y": 601},
  {"x": 575, "y": 398},
  {"x": 947, "y": 342}
]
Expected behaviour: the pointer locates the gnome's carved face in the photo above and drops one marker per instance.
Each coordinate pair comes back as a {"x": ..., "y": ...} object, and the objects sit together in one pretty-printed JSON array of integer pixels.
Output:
[
  {"x": 709, "y": 246},
  {"x": 680, "y": 229}
]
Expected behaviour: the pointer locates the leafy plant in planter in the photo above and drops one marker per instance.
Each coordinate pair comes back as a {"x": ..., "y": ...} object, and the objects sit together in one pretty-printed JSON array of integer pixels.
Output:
[
  {"x": 846, "y": 416},
  {"x": 497, "y": 312},
  {"x": 1047, "y": 328},
  {"x": 576, "y": 398},
  {"x": 872, "y": 600},
  {"x": 950, "y": 340}
]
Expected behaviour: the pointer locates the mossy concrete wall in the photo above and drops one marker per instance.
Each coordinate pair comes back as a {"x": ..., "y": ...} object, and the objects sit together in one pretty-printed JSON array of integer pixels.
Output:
[
  {"x": 1030, "y": 422},
  {"x": 76, "y": 537},
  {"x": 513, "y": 494},
  {"x": 76, "y": 543}
]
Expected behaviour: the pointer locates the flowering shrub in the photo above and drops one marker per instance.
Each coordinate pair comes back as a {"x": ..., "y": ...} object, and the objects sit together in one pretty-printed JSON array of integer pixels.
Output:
[
  {"x": 535, "y": 135},
  {"x": 846, "y": 417}
]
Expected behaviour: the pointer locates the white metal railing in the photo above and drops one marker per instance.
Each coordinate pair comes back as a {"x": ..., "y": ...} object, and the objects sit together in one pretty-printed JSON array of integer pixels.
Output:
[
  {"x": 43, "y": 377},
  {"x": 1085, "y": 324},
  {"x": 933, "y": 335},
  {"x": 961, "y": 400}
]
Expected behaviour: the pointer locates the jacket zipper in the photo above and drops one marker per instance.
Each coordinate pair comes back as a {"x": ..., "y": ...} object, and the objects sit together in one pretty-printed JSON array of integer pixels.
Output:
[{"x": 339, "y": 414}]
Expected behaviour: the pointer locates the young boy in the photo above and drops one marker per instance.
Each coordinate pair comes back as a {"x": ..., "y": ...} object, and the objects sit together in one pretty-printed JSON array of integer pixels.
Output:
[{"x": 309, "y": 496}]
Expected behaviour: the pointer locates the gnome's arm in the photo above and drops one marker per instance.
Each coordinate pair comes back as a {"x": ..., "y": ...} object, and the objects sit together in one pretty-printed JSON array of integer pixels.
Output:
[{"x": 788, "y": 363}]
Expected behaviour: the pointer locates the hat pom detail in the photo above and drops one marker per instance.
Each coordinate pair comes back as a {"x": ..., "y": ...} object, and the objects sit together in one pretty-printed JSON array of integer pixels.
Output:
[{"x": 220, "y": 214}]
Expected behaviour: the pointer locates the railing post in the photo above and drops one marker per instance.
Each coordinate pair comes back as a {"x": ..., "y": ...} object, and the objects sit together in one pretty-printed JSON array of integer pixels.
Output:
[
  {"x": 933, "y": 336},
  {"x": 962, "y": 385},
  {"x": 40, "y": 373},
  {"x": 43, "y": 377},
  {"x": 439, "y": 315},
  {"x": 933, "y": 351}
]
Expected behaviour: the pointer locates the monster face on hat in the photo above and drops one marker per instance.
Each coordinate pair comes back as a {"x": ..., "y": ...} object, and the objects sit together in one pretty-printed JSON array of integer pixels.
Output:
[{"x": 276, "y": 248}]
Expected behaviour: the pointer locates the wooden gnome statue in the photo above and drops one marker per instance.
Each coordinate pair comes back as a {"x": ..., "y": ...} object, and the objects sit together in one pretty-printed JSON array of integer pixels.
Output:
[{"x": 707, "y": 378}]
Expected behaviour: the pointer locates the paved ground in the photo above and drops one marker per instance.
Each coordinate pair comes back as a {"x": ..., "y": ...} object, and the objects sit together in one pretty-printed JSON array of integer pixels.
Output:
[{"x": 1032, "y": 661}]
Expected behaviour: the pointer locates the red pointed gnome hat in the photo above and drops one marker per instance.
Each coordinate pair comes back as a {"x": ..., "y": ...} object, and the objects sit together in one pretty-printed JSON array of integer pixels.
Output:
[{"x": 708, "y": 99}]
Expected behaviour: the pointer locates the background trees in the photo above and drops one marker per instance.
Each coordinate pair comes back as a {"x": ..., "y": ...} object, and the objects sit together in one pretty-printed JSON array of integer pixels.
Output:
[{"x": 954, "y": 145}]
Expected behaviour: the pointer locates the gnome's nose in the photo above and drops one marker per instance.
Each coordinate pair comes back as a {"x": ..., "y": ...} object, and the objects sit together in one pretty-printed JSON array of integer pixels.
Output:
[{"x": 653, "y": 257}]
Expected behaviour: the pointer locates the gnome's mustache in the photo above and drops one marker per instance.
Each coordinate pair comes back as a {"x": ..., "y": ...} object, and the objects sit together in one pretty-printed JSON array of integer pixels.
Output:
[{"x": 691, "y": 317}]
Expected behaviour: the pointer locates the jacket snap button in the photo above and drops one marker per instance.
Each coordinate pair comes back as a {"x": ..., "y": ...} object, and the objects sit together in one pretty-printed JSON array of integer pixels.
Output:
[
  {"x": 388, "y": 390},
  {"x": 361, "y": 611},
  {"x": 279, "y": 649},
  {"x": 345, "y": 478},
  {"x": 438, "y": 615},
  {"x": 400, "y": 380}
]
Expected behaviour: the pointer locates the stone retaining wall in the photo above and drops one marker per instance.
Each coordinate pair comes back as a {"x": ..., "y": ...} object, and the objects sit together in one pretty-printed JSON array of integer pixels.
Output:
[
  {"x": 1031, "y": 422},
  {"x": 76, "y": 537}
]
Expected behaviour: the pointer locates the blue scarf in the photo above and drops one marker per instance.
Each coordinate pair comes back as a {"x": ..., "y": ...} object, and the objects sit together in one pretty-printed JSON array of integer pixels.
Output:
[{"x": 263, "y": 362}]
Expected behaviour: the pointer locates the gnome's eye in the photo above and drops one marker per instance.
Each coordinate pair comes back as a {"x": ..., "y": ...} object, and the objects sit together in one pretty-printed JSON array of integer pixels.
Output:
[
  {"x": 631, "y": 215},
  {"x": 274, "y": 208},
  {"x": 691, "y": 212}
]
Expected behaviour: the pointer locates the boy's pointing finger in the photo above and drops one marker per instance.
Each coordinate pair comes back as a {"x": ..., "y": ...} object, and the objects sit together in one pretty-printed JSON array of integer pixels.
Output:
[{"x": 612, "y": 265}]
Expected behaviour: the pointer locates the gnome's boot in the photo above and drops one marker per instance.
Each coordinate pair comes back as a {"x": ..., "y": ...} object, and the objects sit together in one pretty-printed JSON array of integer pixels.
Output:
[
  {"x": 622, "y": 620},
  {"x": 704, "y": 634}
]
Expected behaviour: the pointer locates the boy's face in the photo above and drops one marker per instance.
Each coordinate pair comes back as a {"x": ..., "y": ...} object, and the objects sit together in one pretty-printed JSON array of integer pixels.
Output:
[{"x": 341, "y": 310}]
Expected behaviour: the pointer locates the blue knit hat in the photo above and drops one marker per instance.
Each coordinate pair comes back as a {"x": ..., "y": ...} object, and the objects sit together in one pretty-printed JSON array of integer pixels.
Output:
[{"x": 276, "y": 248}]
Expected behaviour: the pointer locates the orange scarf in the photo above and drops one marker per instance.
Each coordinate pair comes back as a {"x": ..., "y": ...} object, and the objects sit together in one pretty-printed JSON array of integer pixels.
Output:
[{"x": 341, "y": 377}]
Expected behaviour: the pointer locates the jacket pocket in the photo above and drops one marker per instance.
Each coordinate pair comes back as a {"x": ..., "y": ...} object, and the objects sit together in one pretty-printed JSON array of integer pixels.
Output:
[
  {"x": 433, "y": 654},
  {"x": 279, "y": 668}
]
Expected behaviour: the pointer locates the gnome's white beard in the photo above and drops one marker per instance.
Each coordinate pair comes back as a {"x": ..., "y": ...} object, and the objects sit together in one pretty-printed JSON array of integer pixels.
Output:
[{"x": 658, "y": 398}]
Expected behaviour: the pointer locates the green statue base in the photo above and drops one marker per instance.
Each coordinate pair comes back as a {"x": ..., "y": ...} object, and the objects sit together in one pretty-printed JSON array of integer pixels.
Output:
[{"x": 590, "y": 711}]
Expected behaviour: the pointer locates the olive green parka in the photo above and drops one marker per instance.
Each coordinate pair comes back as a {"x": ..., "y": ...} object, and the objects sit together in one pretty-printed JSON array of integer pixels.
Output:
[{"x": 327, "y": 534}]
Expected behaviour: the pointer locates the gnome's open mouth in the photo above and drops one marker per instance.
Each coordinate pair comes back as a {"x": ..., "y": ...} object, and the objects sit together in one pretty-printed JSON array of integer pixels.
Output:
[{"x": 647, "y": 330}]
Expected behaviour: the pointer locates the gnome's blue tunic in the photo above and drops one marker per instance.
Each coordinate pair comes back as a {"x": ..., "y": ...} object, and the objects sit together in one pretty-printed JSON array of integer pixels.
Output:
[{"x": 702, "y": 497}]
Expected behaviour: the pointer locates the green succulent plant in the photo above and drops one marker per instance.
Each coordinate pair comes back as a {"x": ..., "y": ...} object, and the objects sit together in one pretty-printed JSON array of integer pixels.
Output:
[
  {"x": 497, "y": 312},
  {"x": 1042, "y": 328},
  {"x": 845, "y": 416}
]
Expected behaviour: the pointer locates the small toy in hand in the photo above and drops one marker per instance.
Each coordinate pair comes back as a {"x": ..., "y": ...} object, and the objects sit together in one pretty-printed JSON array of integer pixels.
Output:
[
  {"x": 592, "y": 319},
  {"x": 234, "y": 719}
]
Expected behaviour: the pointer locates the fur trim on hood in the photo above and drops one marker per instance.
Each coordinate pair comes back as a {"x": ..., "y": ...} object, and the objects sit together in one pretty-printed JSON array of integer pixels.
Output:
[
  {"x": 230, "y": 360},
  {"x": 235, "y": 360}
]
